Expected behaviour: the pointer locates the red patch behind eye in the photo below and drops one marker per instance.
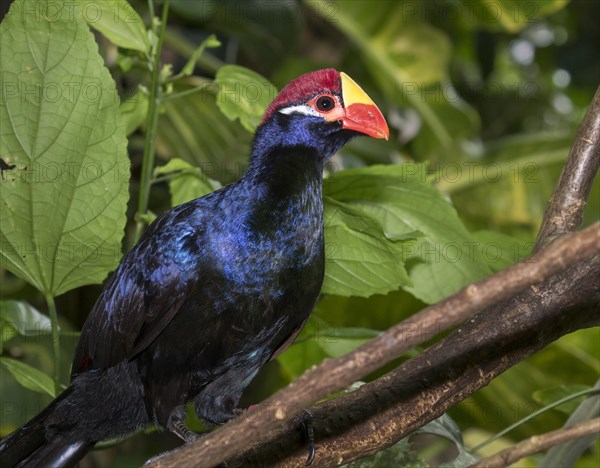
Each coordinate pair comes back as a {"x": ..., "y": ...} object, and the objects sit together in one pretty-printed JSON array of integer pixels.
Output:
[{"x": 326, "y": 81}]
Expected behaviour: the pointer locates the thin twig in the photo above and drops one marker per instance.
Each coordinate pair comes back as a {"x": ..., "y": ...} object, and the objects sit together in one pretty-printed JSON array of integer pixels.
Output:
[
  {"x": 539, "y": 443},
  {"x": 565, "y": 210}
]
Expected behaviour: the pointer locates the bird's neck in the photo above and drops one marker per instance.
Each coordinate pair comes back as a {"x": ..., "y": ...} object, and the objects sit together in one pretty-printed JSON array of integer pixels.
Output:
[
  {"x": 286, "y": 173},
  {"x": 285, "y": 188}
]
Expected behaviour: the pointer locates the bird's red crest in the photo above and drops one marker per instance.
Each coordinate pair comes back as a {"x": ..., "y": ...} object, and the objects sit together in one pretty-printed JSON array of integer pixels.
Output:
[{"x": 304, "y": 87}]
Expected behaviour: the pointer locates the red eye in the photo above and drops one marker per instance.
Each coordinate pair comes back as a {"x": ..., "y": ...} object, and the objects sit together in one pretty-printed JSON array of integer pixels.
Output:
[{"x": 325, "y": 103}]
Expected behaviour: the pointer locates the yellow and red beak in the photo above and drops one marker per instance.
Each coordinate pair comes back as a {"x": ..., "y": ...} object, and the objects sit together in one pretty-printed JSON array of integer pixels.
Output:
[{"x": 360, "y": 113}]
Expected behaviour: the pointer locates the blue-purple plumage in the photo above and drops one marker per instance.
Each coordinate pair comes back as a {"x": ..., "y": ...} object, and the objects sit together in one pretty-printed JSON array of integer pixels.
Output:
[{"x": 213, "y": 290}]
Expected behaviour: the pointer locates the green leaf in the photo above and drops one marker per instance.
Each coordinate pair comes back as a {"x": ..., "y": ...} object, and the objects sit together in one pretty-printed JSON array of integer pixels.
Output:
[
  {"x": 360, "y": 260},
  {"x": 567, "y": 454},
  {"x": 384, "y": 310},
  {"x": 459, "y": 120},
  {"x": 417, "y": 50},
  {"x": 511, "y": 15},
  {"x": 580, "y": 352},
  {"x": 210, "y": 42},
  {"x": 445, "y": 426},
  {"x": 117, "y": 20},
  {"x": 148, "y": 217},
  {"x": 409, "y": 61},
  {"x": 187, "y": 182},
  {"x": 300, "y": 356},
  {"x": 193, "y": 11},
  {"x": 265, "y": 31},
  {"x": 413, "y": 49},
  {"x": 318, "y": 340},
  {"x": 508, "y": 398},
  {"x": 400, "y": 455},
  {"x": 510, "y": 185},
  {"x": 501, "y": 251},
  {"x": 346, "y": 339},
  {"x": 220, "y": 148},
  {"x": 399, "y": 197},
  {"x": 7, "y": 332},
  {"x": 29, "y": 377},
  {"x": 549, "y": 395},
  {"x": 134, "y": 111},
  {"x": 63, "y": 213},
  {"x": 243, "y": 94},
  {"x": 24, "y": 318}
]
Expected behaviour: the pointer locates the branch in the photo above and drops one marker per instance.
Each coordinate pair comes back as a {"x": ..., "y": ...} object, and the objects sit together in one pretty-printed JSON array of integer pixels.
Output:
[
  {"x": 571, "y": 287},
  {"x": 267, "y": 421},
  {"x": 382, "y": 412},
  {"x": 565, "y": 210},
  {"x": 538, "y": 444},
  {"x": 576, "y": 180}
]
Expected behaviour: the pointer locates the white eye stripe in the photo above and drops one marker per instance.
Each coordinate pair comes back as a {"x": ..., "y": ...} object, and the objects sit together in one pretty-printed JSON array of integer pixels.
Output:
[{"x": 305, "y": 110}]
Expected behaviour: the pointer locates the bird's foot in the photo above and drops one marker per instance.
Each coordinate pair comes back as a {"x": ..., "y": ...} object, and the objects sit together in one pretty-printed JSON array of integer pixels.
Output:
[
  {"x": 183, "y": 432},
  {"x": 304, "y": 421},
  {"x": 177, "y": 426}
]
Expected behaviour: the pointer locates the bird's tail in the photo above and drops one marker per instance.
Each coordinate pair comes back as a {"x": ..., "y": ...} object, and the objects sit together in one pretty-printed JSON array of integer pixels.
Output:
[{"x": 28, "y": 445}]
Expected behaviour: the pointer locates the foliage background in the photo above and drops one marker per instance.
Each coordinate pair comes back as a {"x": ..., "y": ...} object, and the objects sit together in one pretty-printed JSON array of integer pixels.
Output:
[{"x": 483, "y": 96}]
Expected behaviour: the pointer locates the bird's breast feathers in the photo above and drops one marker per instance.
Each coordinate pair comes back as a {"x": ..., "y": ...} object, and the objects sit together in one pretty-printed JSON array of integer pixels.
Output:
[{"x": 259, "y": 259}]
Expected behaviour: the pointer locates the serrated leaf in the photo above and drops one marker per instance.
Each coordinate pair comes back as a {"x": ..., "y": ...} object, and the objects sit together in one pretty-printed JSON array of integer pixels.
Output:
[
  {"x": 29, "y": 377},
  {"x": 63, "y": 213},
  {"x": 243, "y": 94},
  {"x": 360, "y": 260},
  {"x": 187, "y": 182},
  {"x": 399, "y": 197},
  {"x": 117, "y": 20}
]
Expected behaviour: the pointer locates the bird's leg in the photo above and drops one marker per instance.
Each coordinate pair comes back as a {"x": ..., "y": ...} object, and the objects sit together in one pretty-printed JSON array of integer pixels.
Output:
[
  {"x": 217, "y": 402},
  {"x": 305, "y": 425},
  {"x": 177, "y": 426}
]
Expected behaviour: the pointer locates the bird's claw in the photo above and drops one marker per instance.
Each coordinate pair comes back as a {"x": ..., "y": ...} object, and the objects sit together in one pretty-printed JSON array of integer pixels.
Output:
[
  {"x": 177, "y": 426},
  {"x": 305, "y": 424}
]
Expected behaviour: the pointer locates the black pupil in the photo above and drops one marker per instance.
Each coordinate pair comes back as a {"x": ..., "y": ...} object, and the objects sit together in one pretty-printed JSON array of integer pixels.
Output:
[{"x": 325, "y": 103}]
